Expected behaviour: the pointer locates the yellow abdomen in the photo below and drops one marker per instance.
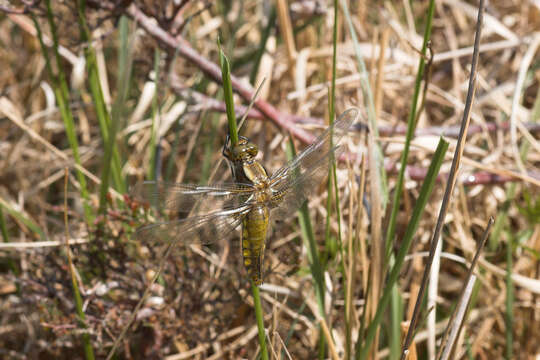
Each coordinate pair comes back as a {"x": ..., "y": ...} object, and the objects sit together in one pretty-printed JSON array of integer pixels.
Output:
[{"x": 254, "y": 229}]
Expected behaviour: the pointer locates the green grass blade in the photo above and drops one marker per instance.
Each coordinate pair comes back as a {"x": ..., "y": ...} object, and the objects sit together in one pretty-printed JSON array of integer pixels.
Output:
[
  {"x": 109, "y": 162},
  {"x": 62, "y": 98},
  {"x": 88, "y": 351},
  {"x": 102, "y": 112},
  {"x": 332, "y": 176},
  {"x": 509, "y": 304},
  {"x": 316, "y": 268},
  {"x": 125, "y": 62},
  {"x": 228, "y": 95},
  {"x": 394, "y": 331},
  {"x": 3, "y": 226},
  {"x": 425, "y": 191},
  {"x": 395, "y": 341},
  {"x": 23, "y": 219},
  {"x": 332, "y": 99},
  {"x": 411, "y": 124}
]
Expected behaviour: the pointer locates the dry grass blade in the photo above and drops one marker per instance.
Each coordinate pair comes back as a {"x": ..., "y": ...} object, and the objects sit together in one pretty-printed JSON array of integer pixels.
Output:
[
  {"x": 353, "y": 239},
  {"x": 456, "y": 320},
  {"x": 21, "y": 246},
  {"x": 286, "y": 31},
  {"x": 456, "y": 324},
  {"x": 377, "y": 244},
  {"x": 451, "y": 180},
  {"x": 328, "y": 335}
]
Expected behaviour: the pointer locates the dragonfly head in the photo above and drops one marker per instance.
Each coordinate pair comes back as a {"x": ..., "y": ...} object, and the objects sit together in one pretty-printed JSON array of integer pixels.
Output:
[{"x": 243, "y": 151}]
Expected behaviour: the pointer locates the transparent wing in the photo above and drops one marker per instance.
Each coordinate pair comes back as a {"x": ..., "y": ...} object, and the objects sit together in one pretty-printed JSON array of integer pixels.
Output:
[
  {"x": 292, "y": 184},
  {"x": 186, "y": 198},
  {"x": 204, "y": 229}
]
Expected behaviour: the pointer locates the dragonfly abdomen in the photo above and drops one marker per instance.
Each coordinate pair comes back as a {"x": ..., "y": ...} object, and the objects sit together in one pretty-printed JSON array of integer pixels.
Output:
[{"x": 254, "y": 229}]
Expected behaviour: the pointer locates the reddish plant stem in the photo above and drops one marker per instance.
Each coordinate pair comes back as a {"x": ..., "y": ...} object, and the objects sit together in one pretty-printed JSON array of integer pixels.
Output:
[
  {"x": 453, "y": 131},
  {"x": 478, "y": 178},
  {"x": 205, "y": 102},
  {"x": 184, "y": 49}
]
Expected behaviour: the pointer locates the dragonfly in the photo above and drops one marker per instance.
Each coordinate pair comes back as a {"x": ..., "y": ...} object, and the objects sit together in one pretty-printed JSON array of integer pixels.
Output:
[{"x": 251, "y": 200}]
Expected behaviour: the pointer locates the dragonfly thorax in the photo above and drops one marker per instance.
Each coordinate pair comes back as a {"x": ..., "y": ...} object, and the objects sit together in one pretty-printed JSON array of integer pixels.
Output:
[{"x": 255, "y": 173}]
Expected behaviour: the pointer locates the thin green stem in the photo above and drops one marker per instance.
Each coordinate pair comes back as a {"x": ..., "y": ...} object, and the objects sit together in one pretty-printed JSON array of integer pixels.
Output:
[
  {"x": 260, "y": 320},
  {"x": 5, "y": 236},
  {"x": 110, "y": 161},
  {"x": 394, "y": 331},
  {"x": 87, "y": 345},
  {"x": 151, "y": 175},
  {"x": 3, "y": 226},
  {"x": 332, "y": 183},
  {"x": 331, "y": 102},
  {"x": 332, "y": 178},
  {"x": 509, "y": 316}
]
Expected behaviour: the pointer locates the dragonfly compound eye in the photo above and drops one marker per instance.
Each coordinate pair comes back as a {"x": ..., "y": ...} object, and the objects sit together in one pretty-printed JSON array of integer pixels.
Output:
[
  {"x": 243, "y": 151},
  {"x": 252, "y": 149}
]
